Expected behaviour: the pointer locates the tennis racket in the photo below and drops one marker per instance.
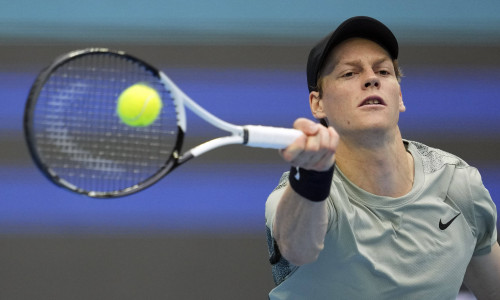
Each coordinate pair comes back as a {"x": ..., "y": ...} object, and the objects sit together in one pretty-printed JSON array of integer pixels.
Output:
[{"x": 77, "y": 140}]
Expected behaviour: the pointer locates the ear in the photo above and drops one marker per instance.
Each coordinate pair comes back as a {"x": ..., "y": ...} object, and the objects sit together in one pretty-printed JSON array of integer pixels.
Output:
[
  {"x": 316, "y": 105},
  {"x": 402, "y": 107}
]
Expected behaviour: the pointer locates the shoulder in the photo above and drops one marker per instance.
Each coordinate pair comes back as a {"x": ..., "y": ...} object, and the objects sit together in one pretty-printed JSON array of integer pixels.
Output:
[
  {"x": 461, "y": 177},
  {"x": 434, "y": 159}
]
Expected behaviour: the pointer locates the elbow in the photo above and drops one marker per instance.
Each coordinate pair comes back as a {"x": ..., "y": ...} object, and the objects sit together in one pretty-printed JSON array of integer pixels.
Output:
[{"x": 299, "y": 256}]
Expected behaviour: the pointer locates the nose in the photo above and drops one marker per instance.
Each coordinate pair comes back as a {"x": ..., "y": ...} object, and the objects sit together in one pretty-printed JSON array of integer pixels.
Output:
[{"x": 372, "y": 81}]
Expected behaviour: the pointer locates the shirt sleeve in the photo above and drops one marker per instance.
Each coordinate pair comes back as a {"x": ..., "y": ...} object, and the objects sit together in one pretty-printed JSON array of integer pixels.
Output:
[
  {"x": 485, "y": 214},
  {"x": 273, "y": 199}
]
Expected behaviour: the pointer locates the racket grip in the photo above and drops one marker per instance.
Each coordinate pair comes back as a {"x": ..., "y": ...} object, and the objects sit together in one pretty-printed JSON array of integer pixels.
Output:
[{"x": 270, "y": 137}]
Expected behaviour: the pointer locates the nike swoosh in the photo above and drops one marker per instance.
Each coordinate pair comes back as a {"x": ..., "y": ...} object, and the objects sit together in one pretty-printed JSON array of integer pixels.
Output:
[{"x": 445, "y": 225}]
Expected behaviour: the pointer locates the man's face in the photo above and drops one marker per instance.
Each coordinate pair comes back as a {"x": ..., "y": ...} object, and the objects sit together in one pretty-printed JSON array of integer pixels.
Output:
[{"x": 360, "y": 90}]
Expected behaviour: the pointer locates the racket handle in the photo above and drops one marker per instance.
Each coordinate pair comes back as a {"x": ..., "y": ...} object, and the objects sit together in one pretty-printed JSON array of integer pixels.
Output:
[{"x": 270, "y": 137}]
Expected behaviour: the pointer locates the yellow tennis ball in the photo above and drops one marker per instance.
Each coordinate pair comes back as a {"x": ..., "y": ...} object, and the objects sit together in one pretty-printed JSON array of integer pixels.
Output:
[{"x": 139, "y": 105}]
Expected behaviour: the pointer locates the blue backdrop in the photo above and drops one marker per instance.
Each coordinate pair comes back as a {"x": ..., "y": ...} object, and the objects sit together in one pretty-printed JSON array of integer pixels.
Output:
[{"x": 230, "y": 197}]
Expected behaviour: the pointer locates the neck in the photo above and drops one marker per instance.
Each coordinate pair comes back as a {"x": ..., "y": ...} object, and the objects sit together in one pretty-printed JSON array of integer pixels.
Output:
[{"x": 378, "y": 164}]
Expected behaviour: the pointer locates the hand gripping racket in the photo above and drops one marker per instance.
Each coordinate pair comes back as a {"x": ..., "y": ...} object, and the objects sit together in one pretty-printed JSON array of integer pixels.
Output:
[{"x": 77, "y": 140}]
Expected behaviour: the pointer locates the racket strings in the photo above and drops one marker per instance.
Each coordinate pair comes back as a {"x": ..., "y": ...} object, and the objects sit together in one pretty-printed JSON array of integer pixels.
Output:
[{"x": 80, "y": 136}]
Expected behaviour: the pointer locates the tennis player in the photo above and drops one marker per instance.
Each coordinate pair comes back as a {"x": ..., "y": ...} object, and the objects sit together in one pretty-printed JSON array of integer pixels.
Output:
[{"x": 364, "y": 213}]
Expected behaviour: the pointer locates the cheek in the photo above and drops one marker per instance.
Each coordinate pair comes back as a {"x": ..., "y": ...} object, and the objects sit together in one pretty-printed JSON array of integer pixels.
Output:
[
  {"x": 337, "y": 113},
  {"x": 338, "y": 104}
]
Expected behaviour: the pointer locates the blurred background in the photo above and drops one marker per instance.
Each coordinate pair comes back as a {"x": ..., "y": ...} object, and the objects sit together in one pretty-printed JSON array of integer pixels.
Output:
[{"x": 200, "y": 232}]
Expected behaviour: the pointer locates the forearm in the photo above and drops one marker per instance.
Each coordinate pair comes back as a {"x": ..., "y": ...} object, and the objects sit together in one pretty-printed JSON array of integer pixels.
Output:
[
  {"x": 299, "y": 227},
  {"x": 483, "y": 275},
  {"x": 301, "y": 215}
]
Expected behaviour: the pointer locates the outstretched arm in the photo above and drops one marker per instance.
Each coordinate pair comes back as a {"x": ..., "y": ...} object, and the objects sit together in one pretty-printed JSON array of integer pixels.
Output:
[{"x": 300, "y": 224}]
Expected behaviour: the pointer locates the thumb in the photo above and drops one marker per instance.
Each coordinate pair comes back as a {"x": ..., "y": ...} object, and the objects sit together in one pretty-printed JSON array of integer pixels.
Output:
[{"x": 307, "y": 126}]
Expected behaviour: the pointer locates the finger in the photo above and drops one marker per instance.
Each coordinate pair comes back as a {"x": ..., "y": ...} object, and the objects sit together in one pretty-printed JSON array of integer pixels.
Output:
[
  {"x": 295, "y": 149},
  {"x": 328, "y": 158},
  {"x": 317, "y": 152},
  {"x": 307, "y": 126}
]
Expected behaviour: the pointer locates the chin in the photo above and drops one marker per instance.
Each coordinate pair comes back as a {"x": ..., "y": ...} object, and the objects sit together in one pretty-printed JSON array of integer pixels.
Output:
[{"x": 372, "y": 129}]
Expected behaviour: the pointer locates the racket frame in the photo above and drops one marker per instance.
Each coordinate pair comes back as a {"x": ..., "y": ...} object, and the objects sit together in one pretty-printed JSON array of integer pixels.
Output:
[{"x": 250, "y": 135}]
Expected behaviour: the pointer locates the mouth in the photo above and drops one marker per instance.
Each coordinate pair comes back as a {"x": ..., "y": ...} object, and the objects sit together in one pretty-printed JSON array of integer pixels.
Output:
[{"x": 372, "y": 100}]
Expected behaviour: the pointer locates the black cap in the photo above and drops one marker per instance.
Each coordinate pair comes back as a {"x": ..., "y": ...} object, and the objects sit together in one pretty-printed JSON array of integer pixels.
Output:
[{"x": 364, "y": 27}]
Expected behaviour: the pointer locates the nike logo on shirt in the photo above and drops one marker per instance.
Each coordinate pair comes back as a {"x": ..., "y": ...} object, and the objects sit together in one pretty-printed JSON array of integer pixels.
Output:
[{"x": 445, "y": 225}]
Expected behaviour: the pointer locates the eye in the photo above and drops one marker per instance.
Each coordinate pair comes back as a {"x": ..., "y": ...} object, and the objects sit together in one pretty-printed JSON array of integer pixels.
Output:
[
  {"x": 348, "y": 74},
  {"x": 384, "y": 72}
]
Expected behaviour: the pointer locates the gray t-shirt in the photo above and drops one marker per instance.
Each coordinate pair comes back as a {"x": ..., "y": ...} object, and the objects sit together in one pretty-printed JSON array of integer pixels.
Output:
[{"x": 413, "y": 247}]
